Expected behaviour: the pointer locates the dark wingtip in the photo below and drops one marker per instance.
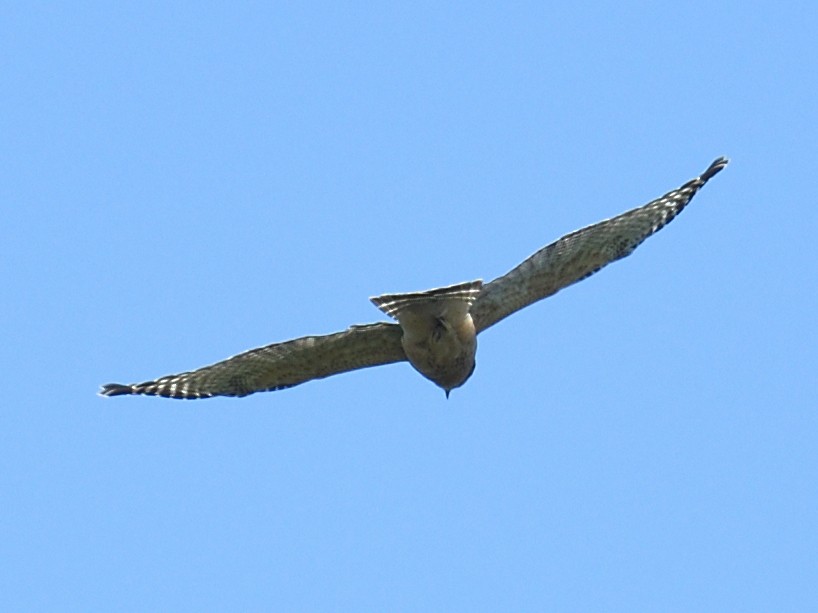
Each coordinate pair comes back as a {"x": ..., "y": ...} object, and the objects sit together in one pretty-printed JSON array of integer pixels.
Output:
[
  {"x": 714, "y": 168},
  {"x": 115, "y": 389}
]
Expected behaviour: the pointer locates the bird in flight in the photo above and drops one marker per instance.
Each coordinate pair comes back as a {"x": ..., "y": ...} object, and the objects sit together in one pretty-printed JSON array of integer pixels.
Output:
[{"x": 436, "y": 330}]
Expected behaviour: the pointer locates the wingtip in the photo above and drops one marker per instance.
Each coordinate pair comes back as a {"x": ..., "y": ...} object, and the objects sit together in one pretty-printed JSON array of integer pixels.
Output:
[
  {"x": 715, "y": 167},
  {"x": 115, "y": 389}
]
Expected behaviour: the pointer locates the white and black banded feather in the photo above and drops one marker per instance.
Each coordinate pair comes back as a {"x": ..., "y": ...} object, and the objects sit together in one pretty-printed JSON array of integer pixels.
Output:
[
  {"x": 580, "y": 254},
  {"x": 279, "y": 366},
  {"x": 392, "y": 304}
]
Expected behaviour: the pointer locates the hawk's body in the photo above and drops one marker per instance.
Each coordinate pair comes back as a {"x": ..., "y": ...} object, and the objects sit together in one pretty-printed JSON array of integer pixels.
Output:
[
  {"x": 439, "y": 337},
  {"x": 437, "y": 329}
]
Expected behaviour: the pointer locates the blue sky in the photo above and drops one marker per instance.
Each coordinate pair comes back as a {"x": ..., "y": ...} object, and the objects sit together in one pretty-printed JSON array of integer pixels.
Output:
[{"x": 181, "y": 182}]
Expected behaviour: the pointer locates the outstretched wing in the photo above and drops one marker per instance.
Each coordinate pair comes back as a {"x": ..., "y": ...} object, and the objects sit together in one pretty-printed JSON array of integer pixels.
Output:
[
  {"x": 279, "y": 366},
  {"x": 580, "y": 254}
]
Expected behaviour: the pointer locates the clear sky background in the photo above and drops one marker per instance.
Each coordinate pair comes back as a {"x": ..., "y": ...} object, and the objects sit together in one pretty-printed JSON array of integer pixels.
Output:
[{"x": 183, "y": 181}]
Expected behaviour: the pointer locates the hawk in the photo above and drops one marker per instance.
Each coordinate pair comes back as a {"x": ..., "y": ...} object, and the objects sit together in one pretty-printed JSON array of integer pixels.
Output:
[{"x": 436, "y": 330}]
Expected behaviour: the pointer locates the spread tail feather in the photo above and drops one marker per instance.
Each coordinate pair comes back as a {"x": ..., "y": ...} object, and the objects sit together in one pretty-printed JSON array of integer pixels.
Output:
[{"x": 392, "y": 304}]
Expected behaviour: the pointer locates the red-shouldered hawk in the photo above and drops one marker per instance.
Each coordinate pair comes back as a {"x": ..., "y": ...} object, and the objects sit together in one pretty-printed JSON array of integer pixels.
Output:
[{"x": 437, "y": 329}]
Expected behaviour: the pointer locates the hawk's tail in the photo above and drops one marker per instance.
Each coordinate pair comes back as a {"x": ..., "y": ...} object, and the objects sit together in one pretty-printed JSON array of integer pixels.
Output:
[{"x": 466, "y": 292}]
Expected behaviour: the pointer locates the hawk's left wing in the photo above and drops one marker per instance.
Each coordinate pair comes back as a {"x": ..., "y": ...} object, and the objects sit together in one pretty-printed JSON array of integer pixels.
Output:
[
  {"x": 279, "y": 366},
  {"x": 580, "y": 254}
]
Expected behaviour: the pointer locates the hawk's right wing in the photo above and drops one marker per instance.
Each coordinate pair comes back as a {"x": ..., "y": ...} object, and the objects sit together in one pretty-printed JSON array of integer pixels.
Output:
[
  {"x": 279, "y": 366},
  {"x": 580, "y": 254}
]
